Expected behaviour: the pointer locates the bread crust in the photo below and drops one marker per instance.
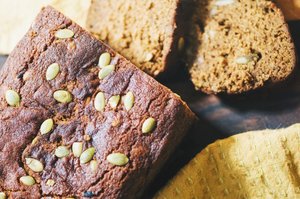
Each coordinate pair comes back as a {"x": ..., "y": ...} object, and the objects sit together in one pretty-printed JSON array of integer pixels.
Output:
[{"x": 109, "y": 131}]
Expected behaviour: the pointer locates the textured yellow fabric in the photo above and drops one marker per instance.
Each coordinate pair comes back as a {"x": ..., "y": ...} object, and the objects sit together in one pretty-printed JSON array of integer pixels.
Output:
[
  {"x": 16, "y": 17},
  {"x": 260, "y": 165}
]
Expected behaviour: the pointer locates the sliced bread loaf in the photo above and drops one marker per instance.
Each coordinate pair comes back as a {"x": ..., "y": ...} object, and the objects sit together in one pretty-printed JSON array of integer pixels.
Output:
[
  {"x": 143, "y": 31},
  {"x": 239, "y": 45}
]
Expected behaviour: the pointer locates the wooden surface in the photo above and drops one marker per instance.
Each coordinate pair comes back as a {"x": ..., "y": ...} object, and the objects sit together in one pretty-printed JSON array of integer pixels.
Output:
[{"x": 222, "y": 116}]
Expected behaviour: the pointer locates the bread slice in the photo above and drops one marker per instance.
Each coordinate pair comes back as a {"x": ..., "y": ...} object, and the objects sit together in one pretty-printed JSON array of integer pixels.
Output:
[
  {"x": 145, "y": 32},
  {"x": 239, "y": 46},
  {"x": 258, "y": 164},
  {"x": 57, "y": 101}
]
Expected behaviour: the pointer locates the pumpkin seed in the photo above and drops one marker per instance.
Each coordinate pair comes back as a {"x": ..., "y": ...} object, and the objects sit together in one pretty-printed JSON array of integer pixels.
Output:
[
  {"x": 104, "y": 60},
  {"x": 148, "y": 125},
  {"x": 2, "y": 195},
  {"x": 62, "y": 96},
  {"x": 87, "y": 155},
  {"x": 243, "y": 60},
  {"x": 99, "y": 102},
  {"x": 34, "y": 141},
  {"x": 181, "y": 43},
  {"x": 114, "y": 101},
  {"x": 52, "y": 71},
  {"x": 149, "y": 56},
  {"x": 77, "y": 148},
  {"x": 47, "y": 126},
  {"x": 128, "y": 100},
  {"x": 50, "y": 182},
  {"x": 34, "y": 164},
  {"x": 224, "y": 2},
  {"x": 64, "y": 33},
  {"x": 62, "y": 151},
  {"x": 12, "y": 98},
  {"x": 94, "y": 165},
  {"x": 87, "y": 137},
  {"x": 27, "y": 180},
  {"x": 105, "y": 71},
  {"x": 118, "y": 159}
]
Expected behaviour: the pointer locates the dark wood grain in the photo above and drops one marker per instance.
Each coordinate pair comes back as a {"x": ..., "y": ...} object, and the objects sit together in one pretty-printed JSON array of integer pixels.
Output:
[{"x": 222, "y": 116}]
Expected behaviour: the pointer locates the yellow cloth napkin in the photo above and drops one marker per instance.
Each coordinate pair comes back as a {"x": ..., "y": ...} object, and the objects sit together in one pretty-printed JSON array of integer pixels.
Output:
[{"x": 260, "y": 164}]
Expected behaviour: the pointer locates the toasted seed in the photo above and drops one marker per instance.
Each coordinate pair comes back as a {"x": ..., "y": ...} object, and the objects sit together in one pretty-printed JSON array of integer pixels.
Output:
[
  {"x": 94, "y": 165},
  {"x": 87, "y": 137},
  {"x": 62, "y": 151},
  {"x": 77, "y": 148},
  {"x": 12, "y": 98},
  {"x": 2, "y": 195},
  {"x": 34, "y": 141},
  {"x": 118, "y": 159},
  {"x": 114, "y": 101},
  {"x": 47, "y": 126},
  {"x": 105, "y": 71},
  {"x": 149, "y": 56},
  {"x": 62, "y": 96},
  {"x": 243, "y": 59},
  {"x": 64, "y": 34},
  {"x": 224, "y": 2},
  {"x": 104, "y": 60},
  {"x": 148, "y": 125},
  {"x": 50, "y": 182},
  {"x": 52, "y": 71},
  {"x": 87, "y": 155},
  {"x": 34, "y": 164},
  {"x": 99, "y": 102},
  {"x": 181, "y": 44},
  {"x": 128, "y": 100},
  {"x": 27, "y": 180}
]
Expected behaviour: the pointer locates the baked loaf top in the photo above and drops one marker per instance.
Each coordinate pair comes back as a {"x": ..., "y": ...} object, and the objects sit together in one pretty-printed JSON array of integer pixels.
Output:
[
  {"x": 70, "y": 128},
  {"x": 143, "y": 31},
  {"x": 241, "y": 46},
  {"x": 259, "y": 164}
]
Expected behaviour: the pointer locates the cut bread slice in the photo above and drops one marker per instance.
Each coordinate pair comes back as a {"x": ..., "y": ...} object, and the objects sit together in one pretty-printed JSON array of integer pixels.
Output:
[
  {"x": 145, "y": 32},
  {"x": 240, "y": 46},
  {"x": 259, "y": 164}
]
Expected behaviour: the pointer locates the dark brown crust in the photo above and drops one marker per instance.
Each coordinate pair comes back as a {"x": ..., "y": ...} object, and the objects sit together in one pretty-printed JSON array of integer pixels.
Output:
[{"x": 24, "y": 72}]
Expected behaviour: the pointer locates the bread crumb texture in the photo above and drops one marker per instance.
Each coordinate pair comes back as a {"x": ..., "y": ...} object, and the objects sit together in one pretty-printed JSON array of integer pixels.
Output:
[
  {"x": 240, "y": 45},
  {"x": 142, "y": 31},
  {"x": 258, "y": 164}
]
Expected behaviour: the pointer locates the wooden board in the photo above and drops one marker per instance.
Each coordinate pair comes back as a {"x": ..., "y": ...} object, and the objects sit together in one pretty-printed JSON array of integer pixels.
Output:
[{"x": 222, "y": 116}]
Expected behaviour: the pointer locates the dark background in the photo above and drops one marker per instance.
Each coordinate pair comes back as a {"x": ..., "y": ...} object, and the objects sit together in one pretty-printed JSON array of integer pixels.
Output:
[{"x": 223, "y": 115}]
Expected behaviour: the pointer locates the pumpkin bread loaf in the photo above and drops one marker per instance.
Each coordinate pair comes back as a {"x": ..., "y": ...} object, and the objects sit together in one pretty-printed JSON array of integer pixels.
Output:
[
  {"x": 76, "y": 125},
  {"x": 239, "y": 46},
  {"x": 145, "y": 32}
]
